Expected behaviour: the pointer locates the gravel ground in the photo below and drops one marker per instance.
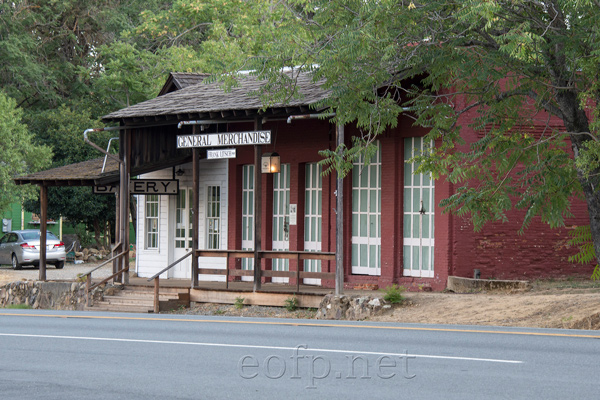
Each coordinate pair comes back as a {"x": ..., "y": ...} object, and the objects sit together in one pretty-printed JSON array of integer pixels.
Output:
[
  {"x": 247, "y": 311},
  {"x": 69, "y": 272}
]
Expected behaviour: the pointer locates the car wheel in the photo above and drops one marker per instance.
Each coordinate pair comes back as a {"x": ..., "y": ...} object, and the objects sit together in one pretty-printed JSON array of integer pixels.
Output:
[
  {"x": 15, "y": 262},
  {"x": 59, "y": 264}
]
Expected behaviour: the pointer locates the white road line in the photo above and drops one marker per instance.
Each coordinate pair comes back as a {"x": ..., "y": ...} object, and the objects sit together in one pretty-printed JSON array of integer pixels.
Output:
[{"x": 250, "y": 346}]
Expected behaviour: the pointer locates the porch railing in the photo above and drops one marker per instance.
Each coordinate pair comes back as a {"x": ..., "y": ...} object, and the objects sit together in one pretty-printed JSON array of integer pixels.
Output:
[
  {"x": 268, "y": 254},
  {"x": 88, "y": 276},
  {"x": 156, "y": 280}
]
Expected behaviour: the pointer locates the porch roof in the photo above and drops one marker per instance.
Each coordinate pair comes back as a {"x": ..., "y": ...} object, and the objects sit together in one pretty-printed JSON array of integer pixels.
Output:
[
  {"x": 89, "y": 173},
  {"x": 210, "y": 100},
  {"x": 84, "y": 173}
]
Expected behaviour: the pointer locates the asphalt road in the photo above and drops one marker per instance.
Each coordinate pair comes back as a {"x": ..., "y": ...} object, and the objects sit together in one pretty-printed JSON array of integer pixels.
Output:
[{"x": 75, "y": 355}]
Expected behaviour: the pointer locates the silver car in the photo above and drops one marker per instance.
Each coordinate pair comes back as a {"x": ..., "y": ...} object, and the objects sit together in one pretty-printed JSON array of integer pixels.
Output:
[{"x": 23, "y": 248}]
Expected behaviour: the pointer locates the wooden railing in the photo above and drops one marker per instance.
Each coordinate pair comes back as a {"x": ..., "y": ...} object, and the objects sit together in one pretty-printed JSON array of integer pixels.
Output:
[
  {"x": 268, "y": 254},
  {"x": 156, "y": 280},
  {"x": 88, "y": 276}
]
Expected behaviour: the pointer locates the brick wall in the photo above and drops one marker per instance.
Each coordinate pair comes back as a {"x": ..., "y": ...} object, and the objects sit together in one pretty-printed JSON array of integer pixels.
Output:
[{"x": 498, "y": 251}]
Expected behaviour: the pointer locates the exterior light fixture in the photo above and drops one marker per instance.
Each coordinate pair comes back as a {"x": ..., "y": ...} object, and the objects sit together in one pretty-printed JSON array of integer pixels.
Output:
[
  {"x": 271, "y": 163},
  {"x": 179, "y": 172}
]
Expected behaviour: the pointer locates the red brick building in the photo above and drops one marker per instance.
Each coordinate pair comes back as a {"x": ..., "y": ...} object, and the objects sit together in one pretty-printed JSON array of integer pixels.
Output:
[{"x": 394, "y": 231}]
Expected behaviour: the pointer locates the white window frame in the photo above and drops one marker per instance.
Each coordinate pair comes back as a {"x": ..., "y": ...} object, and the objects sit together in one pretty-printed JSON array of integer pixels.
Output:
[
  {"x": 211, "y": 218},
  {"x": 248, "y": 216},
  {"x": 151, "y": 200},
  {"x": 418, "y": 215},
  {"x": 366, "y": 215}
]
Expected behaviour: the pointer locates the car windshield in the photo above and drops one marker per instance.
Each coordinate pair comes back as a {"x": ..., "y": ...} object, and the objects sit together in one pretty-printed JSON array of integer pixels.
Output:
[{"x": 36, "y": 235}]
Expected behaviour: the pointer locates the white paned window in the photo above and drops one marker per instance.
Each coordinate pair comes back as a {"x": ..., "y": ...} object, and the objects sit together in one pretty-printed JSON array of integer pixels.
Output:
[
  {"x": 313, "y": 210},
  {"x": 419, "y": 207},
  {"x": 181, "y": 220},
  {"x": 366, "y": 215},
  {"x": 281, "y": 218},
  {"x": 247, "y": 215},
  {"x": 151, "y": 223},
  {"x": 213, "y": 217}
]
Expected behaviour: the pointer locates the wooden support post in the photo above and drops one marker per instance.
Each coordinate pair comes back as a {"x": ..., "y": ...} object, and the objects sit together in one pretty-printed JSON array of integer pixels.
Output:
[
  {"x": 43, "y": 229},
  {"x": 88, "y": 284},
  {"x": 156, "y": 295},
  {"x": 227, "y": 272},
  {"x": 339, "y": 222},
  {"x": 195, "y": 211},
  {"x": 116, "y": 261},
  {"x": 297, "y": 273},
  {"x": 124, "y": 141},
  {"x": 257, "y": 208},
  {"x": 126, "y": 203}
]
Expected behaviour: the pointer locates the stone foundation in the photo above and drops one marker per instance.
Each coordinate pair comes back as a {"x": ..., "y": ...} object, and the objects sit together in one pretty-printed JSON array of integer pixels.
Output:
[
  {"x": 47, "y": 295},
  {"x": 468, "y": 285},
  {"x": 354, "y": 308}
]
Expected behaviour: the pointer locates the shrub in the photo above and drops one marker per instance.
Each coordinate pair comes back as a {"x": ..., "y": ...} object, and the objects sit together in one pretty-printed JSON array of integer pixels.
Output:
[
  {"x": 291, "y": 303},
  {"x": 239, "y": 303},
  {"x": 393, "y": 294}
]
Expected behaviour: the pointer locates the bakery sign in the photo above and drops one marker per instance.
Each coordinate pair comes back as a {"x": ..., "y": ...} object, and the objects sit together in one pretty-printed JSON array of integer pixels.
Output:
[
  {"x": 224, "y": 139},
  {"x": 143, "y": 186}
]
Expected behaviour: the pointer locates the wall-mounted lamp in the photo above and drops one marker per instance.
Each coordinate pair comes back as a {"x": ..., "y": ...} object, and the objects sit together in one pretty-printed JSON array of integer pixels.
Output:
[
  {"x": 179, "y": 172},
  {"x": 271, "y": 163}
]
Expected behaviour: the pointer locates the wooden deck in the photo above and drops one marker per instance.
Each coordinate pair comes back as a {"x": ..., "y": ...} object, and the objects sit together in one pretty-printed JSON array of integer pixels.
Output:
[{"x": 270, "y": 294}]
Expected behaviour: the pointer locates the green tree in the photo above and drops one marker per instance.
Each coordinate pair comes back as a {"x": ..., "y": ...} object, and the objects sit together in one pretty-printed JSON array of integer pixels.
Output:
[
  {"x": 64, "y": 63},
  {"x": 62, "y": 129},
  {"x": 19, "y": 153},
  {"x": 499, "y": 67},
  {"x": 49, "y": 49}
]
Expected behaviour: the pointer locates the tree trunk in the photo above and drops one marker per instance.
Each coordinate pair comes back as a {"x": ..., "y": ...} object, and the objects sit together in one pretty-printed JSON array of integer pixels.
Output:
[
  {"x": 576, "y": 121},
  {"x": 97, "y": 233}
]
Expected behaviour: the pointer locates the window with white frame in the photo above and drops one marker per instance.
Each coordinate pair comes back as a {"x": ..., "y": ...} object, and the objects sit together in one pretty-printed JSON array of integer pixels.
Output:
[
  {"x": 151, "y": 223},
  {"x": 419, "y": 213},
  {"x": 213, "y": 217}
]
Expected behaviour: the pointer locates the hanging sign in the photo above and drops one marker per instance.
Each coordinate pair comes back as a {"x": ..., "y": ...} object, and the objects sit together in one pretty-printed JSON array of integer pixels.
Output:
[
  {"x": 224, "y": 139},
  {"x": 216, "y": 154},
  {"x": 143, "y": 186},
  {"x": 293, "y": 214}
]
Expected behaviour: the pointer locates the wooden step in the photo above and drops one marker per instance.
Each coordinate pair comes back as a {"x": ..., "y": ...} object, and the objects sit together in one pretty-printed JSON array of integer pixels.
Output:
[
  {"x": 141, "y": 295},
  {"x": 150, "y": 289},
  {"x": 125, "y": 300},
  {"x": 115, "y": 308},
  {"x": 141, "y": 299}
]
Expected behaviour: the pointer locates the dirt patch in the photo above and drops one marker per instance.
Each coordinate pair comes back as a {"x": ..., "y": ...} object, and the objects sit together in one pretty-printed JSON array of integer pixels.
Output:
[
  {"x": 569, "y": 304},
  {"x": 550, "y": 310}
]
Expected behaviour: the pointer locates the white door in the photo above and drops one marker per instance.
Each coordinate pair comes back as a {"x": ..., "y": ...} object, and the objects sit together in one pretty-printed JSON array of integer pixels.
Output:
[
  {"x": 281, "y": 218},
  {"x": 312, "y": 218},
  {"x": 418, "y": 214},
  {"x": 183, "y": 233},
  {"x": 366, "y": 215},
  {"x": 248, "y": 217}
]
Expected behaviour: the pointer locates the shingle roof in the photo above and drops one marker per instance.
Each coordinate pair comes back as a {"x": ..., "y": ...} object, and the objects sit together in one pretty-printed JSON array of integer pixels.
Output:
[
  {"x": 80, "y": 174},
  {"x": 180, "y": 80},
  {"x": 202, "y": 99}
]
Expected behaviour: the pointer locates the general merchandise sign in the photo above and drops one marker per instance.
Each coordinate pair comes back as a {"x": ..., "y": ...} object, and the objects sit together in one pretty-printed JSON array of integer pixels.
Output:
[{"x": 224, "y": 139}]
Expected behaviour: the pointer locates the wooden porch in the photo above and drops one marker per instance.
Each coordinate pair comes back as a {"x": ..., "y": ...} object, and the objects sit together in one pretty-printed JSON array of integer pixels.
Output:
[{"x": 270, "y": 294}]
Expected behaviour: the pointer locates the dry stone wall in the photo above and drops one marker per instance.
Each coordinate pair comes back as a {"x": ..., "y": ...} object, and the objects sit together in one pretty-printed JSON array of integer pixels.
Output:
[
  {"x": 354, "y": 308},
  {"x": 46, "y": 295}
]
